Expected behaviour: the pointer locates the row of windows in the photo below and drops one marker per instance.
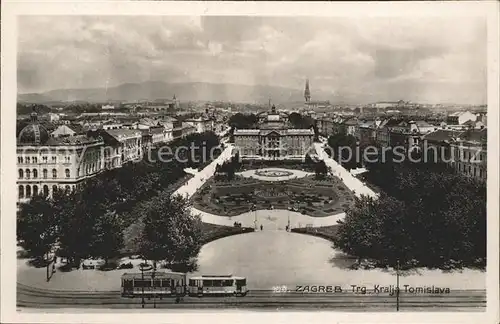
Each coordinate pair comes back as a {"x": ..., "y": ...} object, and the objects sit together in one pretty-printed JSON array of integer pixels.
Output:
[
  {"x": 470, "y": 156},
  {"x": 472, "y": 170},
  {"x": 34, "y": 159},
  {"x": 28, "y": 173},
  {"x": 29, "y": 191}
]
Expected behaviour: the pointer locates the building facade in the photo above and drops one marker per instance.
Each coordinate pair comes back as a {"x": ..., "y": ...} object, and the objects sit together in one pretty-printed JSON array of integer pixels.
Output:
[
  {"x": 46, "y": 164},
  {"x": 273, "y": 139}
]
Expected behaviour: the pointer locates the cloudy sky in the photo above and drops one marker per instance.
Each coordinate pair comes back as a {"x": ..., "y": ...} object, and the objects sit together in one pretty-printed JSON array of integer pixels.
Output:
[{"x": 426, "y": 60}]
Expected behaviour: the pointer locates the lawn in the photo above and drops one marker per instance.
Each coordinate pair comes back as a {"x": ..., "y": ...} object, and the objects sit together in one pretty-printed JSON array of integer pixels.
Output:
[{"x": 308, "y": 195}]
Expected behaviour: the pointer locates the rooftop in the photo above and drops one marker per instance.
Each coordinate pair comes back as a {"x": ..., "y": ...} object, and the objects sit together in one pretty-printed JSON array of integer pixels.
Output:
[
  {"x": 123, "y": 133},
  {"x": 73, "y": 140}
]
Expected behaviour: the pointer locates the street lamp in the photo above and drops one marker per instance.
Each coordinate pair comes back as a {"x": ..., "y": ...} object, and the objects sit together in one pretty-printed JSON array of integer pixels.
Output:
[
  {"x": 153, "y": 279},
  {"x": 142, "y": 273},
  {"x": 397, "y": 286}
]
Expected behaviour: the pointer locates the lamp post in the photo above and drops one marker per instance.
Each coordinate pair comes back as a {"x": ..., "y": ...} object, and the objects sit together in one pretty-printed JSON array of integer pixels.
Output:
[
  {"x": 154, "y": 288},
  {"x": 397, "y": 286},
  {"x": 142, "y": 274}
]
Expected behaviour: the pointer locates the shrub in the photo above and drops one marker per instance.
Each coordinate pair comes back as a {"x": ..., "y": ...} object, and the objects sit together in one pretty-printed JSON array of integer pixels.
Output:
[{"x": 128, "y": 265}]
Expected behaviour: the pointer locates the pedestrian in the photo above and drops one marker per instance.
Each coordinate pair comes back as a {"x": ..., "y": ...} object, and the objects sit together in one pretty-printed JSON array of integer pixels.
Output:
[{"x": 261, "y": 227}]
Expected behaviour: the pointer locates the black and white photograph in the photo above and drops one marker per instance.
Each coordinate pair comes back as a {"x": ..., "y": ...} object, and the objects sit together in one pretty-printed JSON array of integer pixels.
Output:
[{"x": 251, "y": 162}]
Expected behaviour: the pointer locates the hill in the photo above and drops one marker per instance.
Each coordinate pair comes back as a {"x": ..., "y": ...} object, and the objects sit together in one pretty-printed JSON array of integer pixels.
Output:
[{"x": 193, "y": 91}]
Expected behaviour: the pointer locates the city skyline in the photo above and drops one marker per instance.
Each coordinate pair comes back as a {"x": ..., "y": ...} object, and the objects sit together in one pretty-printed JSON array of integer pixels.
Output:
[{"x": 372, "y": 59}]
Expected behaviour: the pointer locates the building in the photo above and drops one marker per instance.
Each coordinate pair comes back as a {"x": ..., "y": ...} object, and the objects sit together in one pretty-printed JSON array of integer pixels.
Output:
[
  {"x": 201, "y": 124},
  {"x": 46, "y": 164},
  {"x": 53, "y": 117},
  {"x": 409, "y": 134},
  {"x": 107, "y": 107},
  {"x": 460, "y": 117},
  {"x": 67, "y": 130},
  {"x": 351, "y": 126},
  {"x": 325, "y": 126},
  {"x": 465, "y": 151},
  {"x": 273, "y": 139},
  {"x": 310, "y": 105},
  {"x": 122, "y": 146},
  {"x": 470, "y": 154},
  {"x": 383, "y": 131}
]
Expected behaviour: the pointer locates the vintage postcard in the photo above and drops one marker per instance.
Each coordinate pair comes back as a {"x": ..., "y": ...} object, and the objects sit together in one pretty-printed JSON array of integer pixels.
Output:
[{"x": 323, "y": 162}]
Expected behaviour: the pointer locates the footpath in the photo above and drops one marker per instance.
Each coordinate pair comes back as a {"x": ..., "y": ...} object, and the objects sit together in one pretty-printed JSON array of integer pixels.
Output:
[{"x": 353, "y": 183}]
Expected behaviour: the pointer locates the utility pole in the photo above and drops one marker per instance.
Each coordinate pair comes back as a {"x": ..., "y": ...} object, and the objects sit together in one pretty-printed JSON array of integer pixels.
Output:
[
  {"x": 397, "y": 286},
  {"x": 154, "y": 287},
  {"x": 142, "y": 273}
]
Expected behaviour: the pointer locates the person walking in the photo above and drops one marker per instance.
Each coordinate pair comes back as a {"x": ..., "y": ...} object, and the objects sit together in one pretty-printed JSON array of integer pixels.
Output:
[{"x": 261, "y": 227}]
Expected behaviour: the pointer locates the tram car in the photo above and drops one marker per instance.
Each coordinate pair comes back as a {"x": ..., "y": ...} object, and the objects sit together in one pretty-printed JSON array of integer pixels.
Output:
[
  {"x": 160, "y": 284},
  {"x": 225, "y": 285}
]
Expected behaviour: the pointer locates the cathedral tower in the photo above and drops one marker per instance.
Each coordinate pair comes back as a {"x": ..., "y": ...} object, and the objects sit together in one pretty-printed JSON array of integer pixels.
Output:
[{"x": 307, "y": 93}]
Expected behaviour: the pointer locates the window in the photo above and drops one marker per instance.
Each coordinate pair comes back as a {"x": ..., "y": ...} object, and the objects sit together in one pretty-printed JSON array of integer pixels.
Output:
[
  {"x": 28, "y": 173},
  {"x": 54, "y": 189},
  {"x": 67, "y": 188},
  {"x": 27, "y": 159},
  {"x": 44, "y": 159},
  {"x": 28, "y": 191},
  {"x": 35, "y": 173},
  {"x": 21, "y": 173},
  {"x": 35, "y": 159},
  {"x": 45, "y": 190},
  {"x": 67, "y": 159},
  {"x": 54, "y": 173},
  {"x": 21, "y": 192},
  {"x": 35, "y": 190},
  {"x": 54, "y": 159},
  {"x": 67, "y": 173},
  {"x": 20, "y": 159},
  {"x": 44, "y": 173}
]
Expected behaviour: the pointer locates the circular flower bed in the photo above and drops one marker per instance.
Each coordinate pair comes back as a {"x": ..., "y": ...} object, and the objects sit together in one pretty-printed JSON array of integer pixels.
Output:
[{"x": 273, "y": 173}]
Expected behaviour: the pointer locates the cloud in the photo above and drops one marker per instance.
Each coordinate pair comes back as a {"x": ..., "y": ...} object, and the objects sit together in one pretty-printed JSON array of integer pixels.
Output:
[{"x": 429, "y": 59}]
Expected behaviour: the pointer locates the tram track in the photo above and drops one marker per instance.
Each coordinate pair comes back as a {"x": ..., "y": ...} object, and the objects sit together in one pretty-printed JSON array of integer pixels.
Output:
[{"x": 31, "y": 297}]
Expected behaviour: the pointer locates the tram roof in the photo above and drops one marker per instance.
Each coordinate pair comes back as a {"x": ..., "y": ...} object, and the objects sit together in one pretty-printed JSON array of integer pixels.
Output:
[
  {"x": 203, "y": 277},
  {"x": 148, "y": 274}
]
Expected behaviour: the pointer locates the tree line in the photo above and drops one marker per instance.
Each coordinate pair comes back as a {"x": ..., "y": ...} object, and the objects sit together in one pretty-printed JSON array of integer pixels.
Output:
[
  {"x": 427, "y": 215},
  {"x": 91, "y": 220}
]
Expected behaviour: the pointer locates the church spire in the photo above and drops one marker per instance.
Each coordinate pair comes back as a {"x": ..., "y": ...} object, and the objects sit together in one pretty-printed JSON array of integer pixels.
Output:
[{"x": 307, "y": 92}]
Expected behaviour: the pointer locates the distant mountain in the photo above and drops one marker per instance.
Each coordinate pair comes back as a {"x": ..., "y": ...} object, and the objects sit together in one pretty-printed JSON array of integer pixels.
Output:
[{"x": 194, "y": 91}]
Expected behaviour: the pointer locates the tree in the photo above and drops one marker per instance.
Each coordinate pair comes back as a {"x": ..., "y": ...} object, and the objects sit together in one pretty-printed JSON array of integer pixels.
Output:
[
  {"x": 321, "y": 169},
  {"x": 76, "y": 225},
  {"x": 427, "y": 216},
  {"x": 107, "y": 238},
  {"x": 37, "y": 227},
  {"x": 170, "y": 232},
  {"x": 343, "y": 149},
  {"x": 243, "y": 121}
]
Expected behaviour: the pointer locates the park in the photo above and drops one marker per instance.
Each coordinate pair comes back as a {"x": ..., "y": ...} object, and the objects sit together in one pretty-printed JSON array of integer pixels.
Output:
[{"x": 253, "y": 224}]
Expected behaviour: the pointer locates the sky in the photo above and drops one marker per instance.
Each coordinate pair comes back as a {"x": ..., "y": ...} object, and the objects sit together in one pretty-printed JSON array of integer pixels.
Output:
[{"x": 433, "y": 60}]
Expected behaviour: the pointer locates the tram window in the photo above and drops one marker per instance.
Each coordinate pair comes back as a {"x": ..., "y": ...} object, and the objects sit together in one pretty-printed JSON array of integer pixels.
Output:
[
  {"x": 142, "y": 283},
  {"x": 192, "y": 283},
  {"x": 228, "y": 283},
  {"x": 157, "y": 283},
  {"x": 241, "y": 282},
  {"x": 208, "y": 283},
  {"x": 128, "y": 283},
  {"x": 217, "y": 283}
]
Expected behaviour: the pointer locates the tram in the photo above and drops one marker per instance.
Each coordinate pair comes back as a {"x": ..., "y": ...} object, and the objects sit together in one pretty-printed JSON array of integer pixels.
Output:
[
  {"x": 217, "y": 286},
  {"x": 160, "y": 284}
]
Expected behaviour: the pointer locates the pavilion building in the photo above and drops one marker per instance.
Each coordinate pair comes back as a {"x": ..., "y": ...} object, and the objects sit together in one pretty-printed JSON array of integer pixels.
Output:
[{"x": 274, "y": 138}]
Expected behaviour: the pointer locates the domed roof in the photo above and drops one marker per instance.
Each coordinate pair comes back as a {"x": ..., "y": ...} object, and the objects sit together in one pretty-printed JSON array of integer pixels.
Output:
[{"x": 33, "y": 133}]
